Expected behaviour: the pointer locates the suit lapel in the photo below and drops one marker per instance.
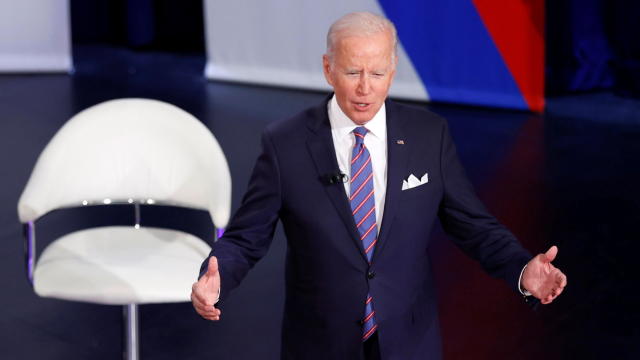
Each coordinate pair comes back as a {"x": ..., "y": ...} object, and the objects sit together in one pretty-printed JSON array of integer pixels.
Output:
[
  {"x": 322, "y": 150},
  {"x": 397, "y": 160}
]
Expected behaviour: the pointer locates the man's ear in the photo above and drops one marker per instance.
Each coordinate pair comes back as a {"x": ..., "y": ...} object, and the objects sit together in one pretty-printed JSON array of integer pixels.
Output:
[{"x": 326, "y": 67}]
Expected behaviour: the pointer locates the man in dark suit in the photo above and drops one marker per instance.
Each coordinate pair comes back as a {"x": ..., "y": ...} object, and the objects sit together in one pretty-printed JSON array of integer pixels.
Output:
[{"x": 357, "y": 183}]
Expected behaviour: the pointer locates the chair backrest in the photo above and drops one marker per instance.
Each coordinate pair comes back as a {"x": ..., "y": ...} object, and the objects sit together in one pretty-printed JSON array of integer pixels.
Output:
[{"x": 130, "y": 150}]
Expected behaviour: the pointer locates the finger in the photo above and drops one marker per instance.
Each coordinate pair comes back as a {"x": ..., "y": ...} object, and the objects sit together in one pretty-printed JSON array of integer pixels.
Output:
[
  {"x": 561, "y": 284},
  {"x": 551, "y": 253},
  {"x": 206, "y": 313},
  {"x": 558, "y": 280},
  {"x": 544, "y": 301},
  {"x": 562, "y": 279},
  {"x": 213, "y": 316},
  {"x": 212, "y": 267},
  {"x": 209, "y": 311},
  {"x": 204, "y": 310},
  {"x": 202, "y": 307}
]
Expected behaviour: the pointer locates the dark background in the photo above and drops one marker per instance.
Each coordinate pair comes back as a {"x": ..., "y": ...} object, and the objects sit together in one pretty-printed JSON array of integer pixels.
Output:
[{"x": 568, "y": 177}]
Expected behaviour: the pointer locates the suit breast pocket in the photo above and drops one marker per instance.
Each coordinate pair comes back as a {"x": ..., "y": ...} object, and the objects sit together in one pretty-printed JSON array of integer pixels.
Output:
[
  {"x": 418, "y": 195},
  {"x": 412, "y": 188}
]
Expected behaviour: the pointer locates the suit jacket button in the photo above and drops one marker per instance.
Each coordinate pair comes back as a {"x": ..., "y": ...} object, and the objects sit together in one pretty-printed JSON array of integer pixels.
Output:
[{"x": 371, "y": 274}]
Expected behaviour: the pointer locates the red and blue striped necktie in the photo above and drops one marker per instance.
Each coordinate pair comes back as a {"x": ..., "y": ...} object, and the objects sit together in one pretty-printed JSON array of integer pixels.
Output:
[{"x": 363, "y": 207}]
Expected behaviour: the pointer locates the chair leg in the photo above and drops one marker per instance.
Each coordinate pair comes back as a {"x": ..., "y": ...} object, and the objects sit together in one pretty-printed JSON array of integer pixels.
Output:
[{"x": 131, "y": 332}]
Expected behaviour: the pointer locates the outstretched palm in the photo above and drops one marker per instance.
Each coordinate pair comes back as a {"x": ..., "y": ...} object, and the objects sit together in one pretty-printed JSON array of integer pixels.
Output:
[
  {"x": 542, "y": 279},
  {"x": 205, "y": 292}
]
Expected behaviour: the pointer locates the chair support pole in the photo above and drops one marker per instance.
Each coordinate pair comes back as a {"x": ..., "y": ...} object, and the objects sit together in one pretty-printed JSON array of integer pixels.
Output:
[
  {"x": 137, "y": 215},
  {"x": 30, "y": 249},
  {"x": 131, "y": 332}
]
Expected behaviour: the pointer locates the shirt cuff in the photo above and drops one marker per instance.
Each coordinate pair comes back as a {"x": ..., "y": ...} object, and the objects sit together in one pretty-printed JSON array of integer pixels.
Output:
[{"x": 522, "y": 291}]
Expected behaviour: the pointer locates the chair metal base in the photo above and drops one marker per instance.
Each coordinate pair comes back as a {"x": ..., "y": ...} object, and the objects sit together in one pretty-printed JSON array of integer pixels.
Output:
[{"x": 132, "y": 349}]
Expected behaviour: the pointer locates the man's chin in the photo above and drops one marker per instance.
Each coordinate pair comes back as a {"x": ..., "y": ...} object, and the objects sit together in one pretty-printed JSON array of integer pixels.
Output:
[
  {"x": 361, "y": 117},
  {"x": 361, "y": 121}
]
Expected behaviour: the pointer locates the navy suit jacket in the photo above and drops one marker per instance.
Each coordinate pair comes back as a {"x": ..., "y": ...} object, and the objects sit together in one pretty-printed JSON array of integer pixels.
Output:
[{"x": 327, "y": 274}]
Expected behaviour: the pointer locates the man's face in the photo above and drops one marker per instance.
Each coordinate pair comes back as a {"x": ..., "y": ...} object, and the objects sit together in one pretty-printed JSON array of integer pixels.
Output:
[{"x": 361, "y": 74}]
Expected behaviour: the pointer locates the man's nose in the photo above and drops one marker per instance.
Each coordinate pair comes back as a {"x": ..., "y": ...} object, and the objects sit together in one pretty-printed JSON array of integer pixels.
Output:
[{"x": 364, "y": 85}]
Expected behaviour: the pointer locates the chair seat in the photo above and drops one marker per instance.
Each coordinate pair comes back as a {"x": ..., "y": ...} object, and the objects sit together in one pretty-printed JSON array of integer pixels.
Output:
[{"x": 120, "y": 265}]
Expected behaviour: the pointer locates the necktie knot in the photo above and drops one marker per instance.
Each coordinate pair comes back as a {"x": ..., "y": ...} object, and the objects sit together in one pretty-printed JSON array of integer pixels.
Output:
[{"x": 359, "y": 133}]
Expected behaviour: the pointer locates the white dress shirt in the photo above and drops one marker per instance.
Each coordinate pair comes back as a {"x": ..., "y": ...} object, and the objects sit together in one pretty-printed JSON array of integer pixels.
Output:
[{"x": 375, "y": 141}]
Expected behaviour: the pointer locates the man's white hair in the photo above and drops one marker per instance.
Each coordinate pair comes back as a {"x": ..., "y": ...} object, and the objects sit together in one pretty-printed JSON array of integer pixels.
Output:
[{"x": 360, "y": 24}]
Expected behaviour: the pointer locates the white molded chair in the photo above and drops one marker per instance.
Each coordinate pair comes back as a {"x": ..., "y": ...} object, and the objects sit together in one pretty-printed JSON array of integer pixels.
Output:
[{"x": 125, "y": 151}]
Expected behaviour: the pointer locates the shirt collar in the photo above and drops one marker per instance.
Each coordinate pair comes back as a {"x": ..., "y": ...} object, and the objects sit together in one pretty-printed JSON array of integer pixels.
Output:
[{"x": 342, "y": 126}]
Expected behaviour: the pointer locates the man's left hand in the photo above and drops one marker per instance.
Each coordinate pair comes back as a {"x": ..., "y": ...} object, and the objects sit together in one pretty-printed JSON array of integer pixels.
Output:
[{"x": 542, "y": 279}]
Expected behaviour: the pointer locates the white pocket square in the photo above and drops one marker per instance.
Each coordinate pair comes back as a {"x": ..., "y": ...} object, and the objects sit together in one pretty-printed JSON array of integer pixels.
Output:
[{"x": 412, "y": 181}]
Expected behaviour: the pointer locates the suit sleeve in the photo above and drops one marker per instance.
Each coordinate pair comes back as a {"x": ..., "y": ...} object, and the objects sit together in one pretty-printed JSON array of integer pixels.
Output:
[
  {"x": 471, "y": 226},
  {"x": 250, "y": 232}
]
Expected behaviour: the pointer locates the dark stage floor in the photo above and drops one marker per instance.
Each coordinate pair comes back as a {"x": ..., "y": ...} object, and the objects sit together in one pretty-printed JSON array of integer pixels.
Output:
[{"x": 569, "y": 178}]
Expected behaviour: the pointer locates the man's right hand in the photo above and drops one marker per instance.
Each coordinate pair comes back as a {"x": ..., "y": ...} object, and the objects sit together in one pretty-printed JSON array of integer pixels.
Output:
[{"x": 205, "y": 292}]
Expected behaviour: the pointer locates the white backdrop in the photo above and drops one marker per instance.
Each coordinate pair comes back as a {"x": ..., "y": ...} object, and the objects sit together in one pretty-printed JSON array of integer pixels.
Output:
[
  {"x": 281, "y": 42},
  {"x": 35, "y": 36}
]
